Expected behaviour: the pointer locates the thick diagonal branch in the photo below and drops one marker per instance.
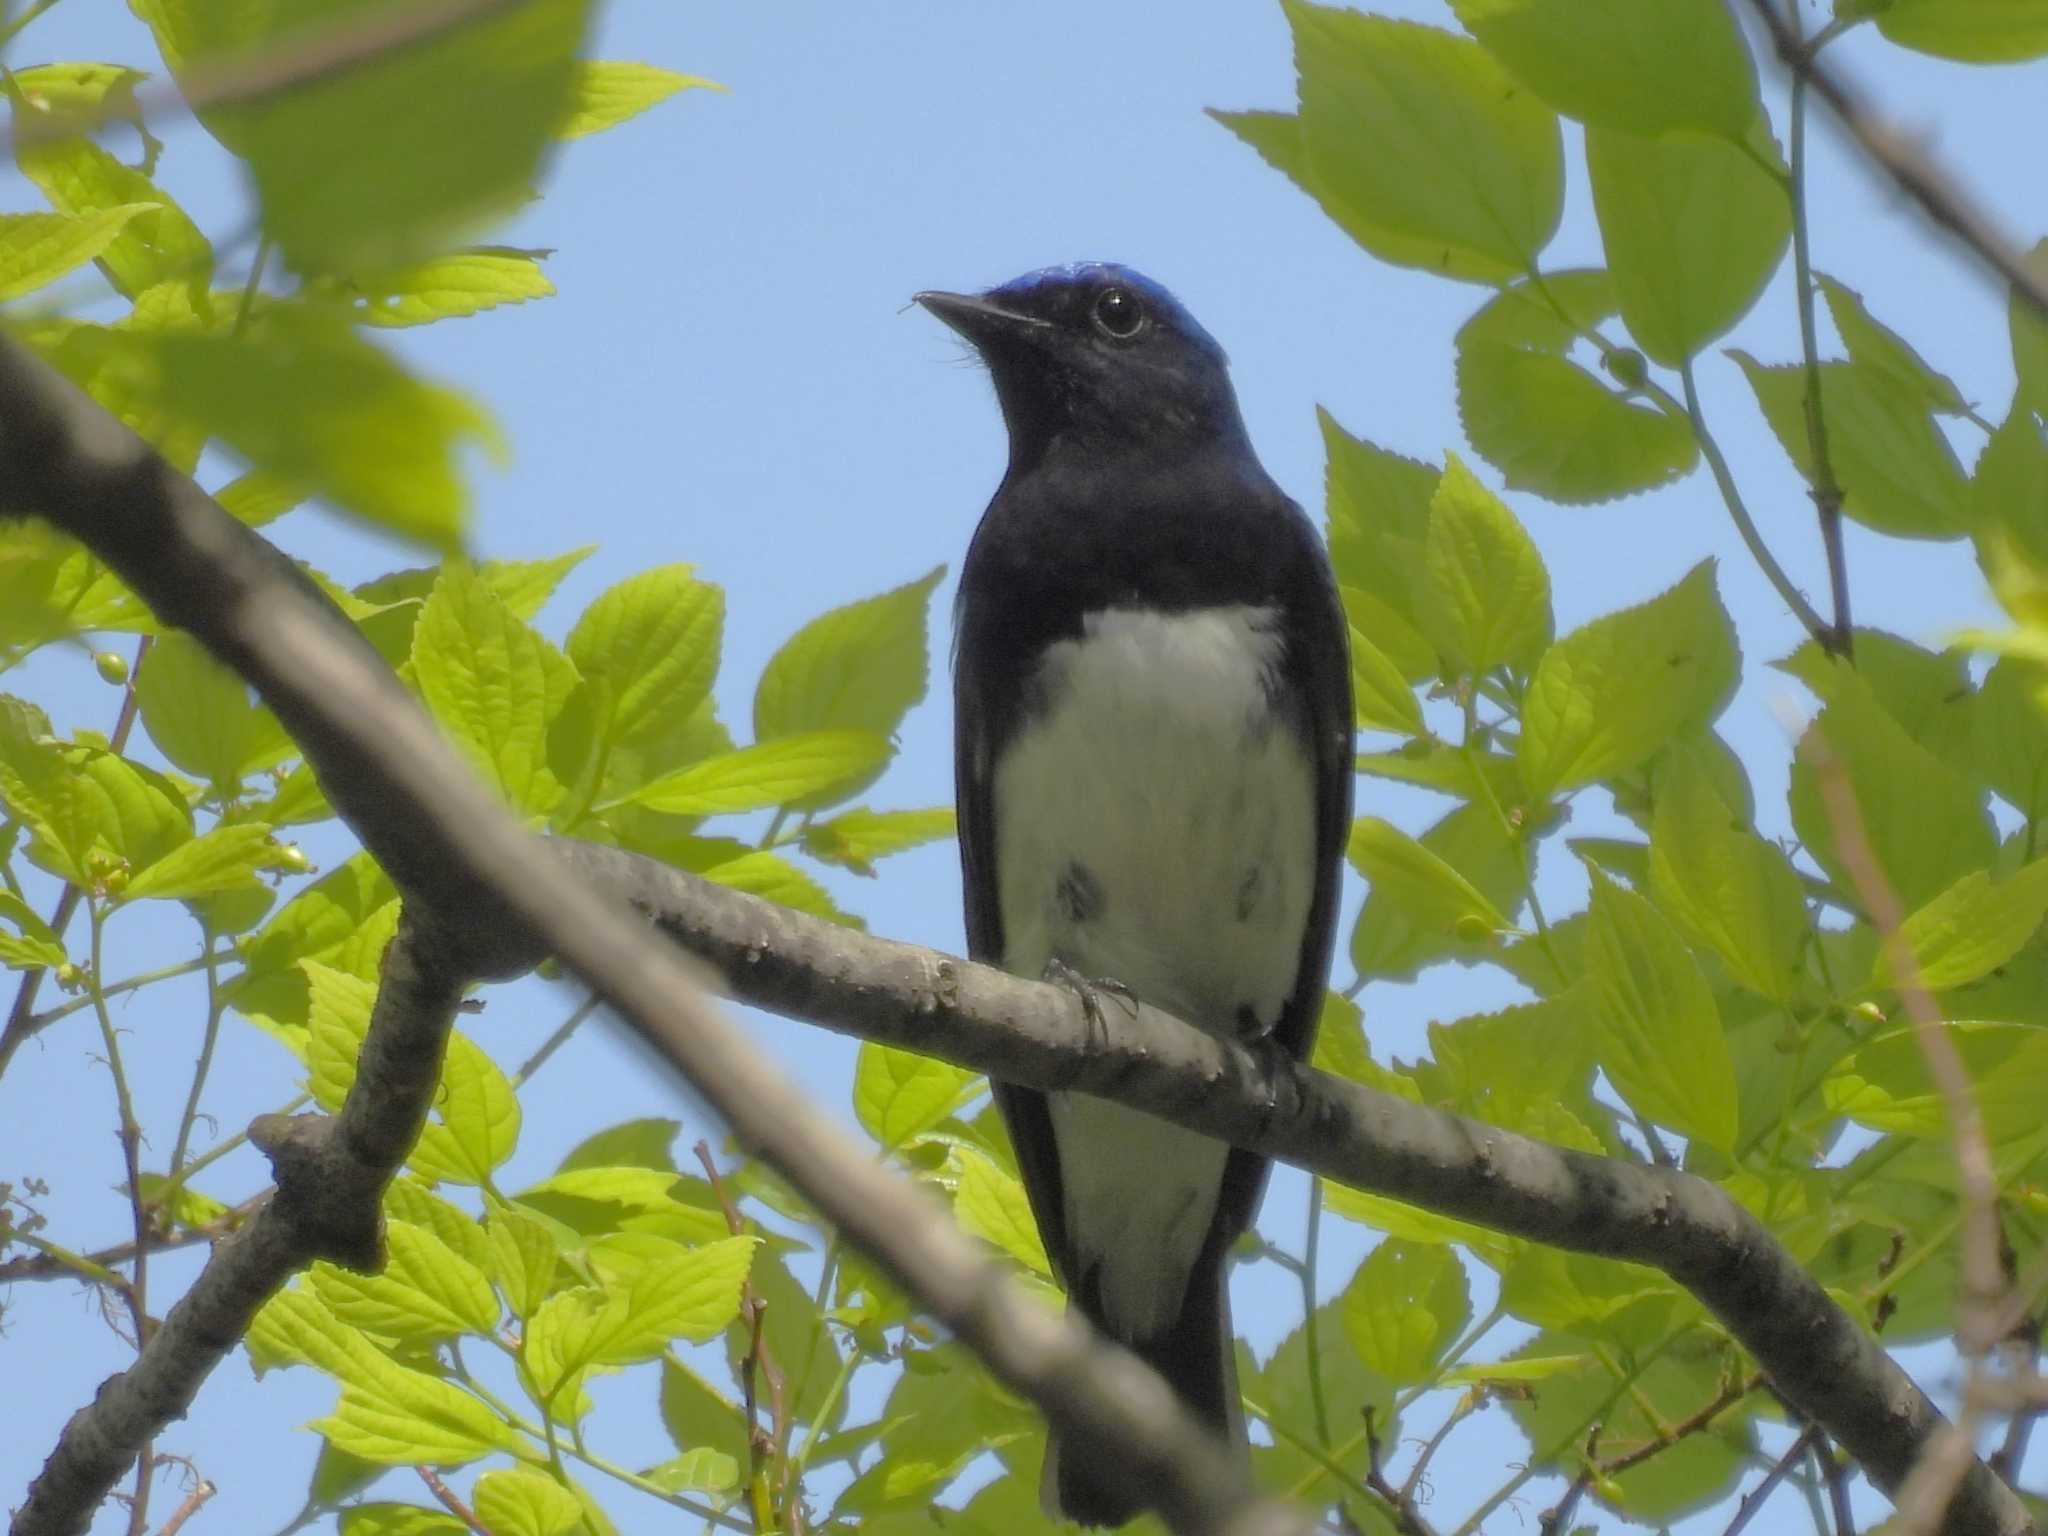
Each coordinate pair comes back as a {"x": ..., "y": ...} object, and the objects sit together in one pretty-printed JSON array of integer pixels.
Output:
[{"x": 490, "y": 893}]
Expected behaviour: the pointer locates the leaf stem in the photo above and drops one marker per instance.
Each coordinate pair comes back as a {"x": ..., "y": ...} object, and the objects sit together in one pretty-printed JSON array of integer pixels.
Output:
[
  {"x": 1310, "y": 1248},
  {"x": 214, "y": 1009}
]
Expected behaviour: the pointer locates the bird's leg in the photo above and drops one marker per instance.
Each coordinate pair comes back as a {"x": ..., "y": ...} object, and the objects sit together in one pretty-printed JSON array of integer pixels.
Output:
[{"x": 1091, "y": 990}]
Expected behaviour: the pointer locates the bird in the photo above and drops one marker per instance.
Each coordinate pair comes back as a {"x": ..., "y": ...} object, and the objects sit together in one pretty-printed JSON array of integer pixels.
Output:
[{"x": 1153, "y": 739}]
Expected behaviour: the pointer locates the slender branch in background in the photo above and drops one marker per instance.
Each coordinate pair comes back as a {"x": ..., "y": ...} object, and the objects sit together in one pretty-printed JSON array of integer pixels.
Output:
[
  {"x": 1827, "y": 490},
  {"x": 2021, "y": 1342},
  {"x": 1754, "y": 1500},
  {"x": 450, "y": 1500},
  {"x": 215, "y": 1007},
  {"x": 1470, "y": 1401},
  {"x": 55, "y": 1263},
  {"x": 1745, "y": 525},
  {"x": 1729, "y": 1395},
  {"x": 1557, "y": 1519},
  {"x": 202, "y": 1490},
  {"x": 1917, "y": 174},
  {"x": 1924, "y": 1497},
  {"x": 1400, "y": 1502},
  {"x": 759, "y": 1365},
  {"x": 22, "y": 1023},
  {"x": 1310, "y": 1325},
  {"x": 41, "y": 1021},
  {"x": 555, "y": 1041},
  {"x": 1836, "y": 1476}
]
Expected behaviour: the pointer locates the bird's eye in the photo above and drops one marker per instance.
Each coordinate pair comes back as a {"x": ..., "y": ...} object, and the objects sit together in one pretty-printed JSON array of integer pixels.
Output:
[{"x": 1118, "y": 314}]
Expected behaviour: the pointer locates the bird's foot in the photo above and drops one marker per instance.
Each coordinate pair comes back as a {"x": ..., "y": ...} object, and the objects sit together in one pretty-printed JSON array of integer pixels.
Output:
[{"x": 1091, "y": 990}]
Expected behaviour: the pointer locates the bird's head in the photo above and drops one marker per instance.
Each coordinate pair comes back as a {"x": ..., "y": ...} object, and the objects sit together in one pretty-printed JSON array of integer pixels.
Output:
[{"x": 1095, "y": 353}]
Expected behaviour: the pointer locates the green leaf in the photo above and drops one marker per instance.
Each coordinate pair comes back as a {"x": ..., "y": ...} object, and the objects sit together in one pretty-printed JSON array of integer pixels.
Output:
[
  {"x": 201, "y": 716},
  {"x": 1875, "y": 345},
  {"x": 606, "y": 92},
  {"x": 300, "y": 394},
  {"x": 898, "y": 1095},
  {"x": 1278, "y": 137},
  {"x": 476, "y": 1118},
  {"x": 692, "y": 1293},
  {"x": 493, "y": 683},
  {"x": 1486, "y": 595},
  {"x": 1970, "y": 929},
  {"x": 1553, "y": 1289},
  {"x": 1620, "y": 64},
  {"x": 522, "y": 1257},
  {"x": 157, "y": 244},
  {"x": 990, "y": 1203},
  {"x": 1544, "y": 422},
  {"x": 1609, "y": 694},
  {"x": 1408, "y": 923},
  {"x": 1897, "y": 471},
  {"x": 654, "y": 641},
  {"x": 1693, "y": 227},
  {"x": 448, "y": 287},
  {"x": 424, "y": 1292},
  {"x": 519, "y": 1501},
  {"x": 1425, "y": 885},
  {"x": 2029, "y": 330},
  {"x": 1384, "y": 699},
  {"x": 1927, "y": 826},
  {"x": 372, "y": 165},
  {"x": 597, "y": 1201},
  {"x": 697, "y": 1416},
  {"x": 1377, "y": 508},
  {"x": 1725, "y": 887},
  {"x": 1926, "y": 692},
  {"x": 1403, "y": 1307},
  {"x": 343, "y": 919},
  {"x": 406, "y": 1417},
  {"x": 338, "y": 1018},
  {"x": 702, "y": 1470},
  {"x": 1885, "y": 1083},
  {"x": 2010, "y": 742},
  {"x": 38, "y": 248},
  {"x": 224, "y": 858},
  {"x": 784, "y": 771},
  {"x": 258, "y": 498},
  {"x": 38, "y": 944},
  {"x": 381, "y": 1519},
  {"x": 645, "y": 1143},
  {"x": 1283, "y": 1393},
  {"x": 1427, "y": 137},
  {"x": 855, "y": 839},
  {"x": 856, "y": 668},
  {"x": 409, "y": 1200},
  {"x": 1660, "y": 1039},
  {"x": 1971, "y": 31}
]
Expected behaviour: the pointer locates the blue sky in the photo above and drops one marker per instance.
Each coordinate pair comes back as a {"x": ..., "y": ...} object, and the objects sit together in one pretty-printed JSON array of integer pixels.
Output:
[{"x": 730, "y": 376}]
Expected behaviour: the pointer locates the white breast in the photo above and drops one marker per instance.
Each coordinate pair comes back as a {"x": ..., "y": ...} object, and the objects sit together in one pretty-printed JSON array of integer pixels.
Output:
[{"x": 1155, "y": 825}]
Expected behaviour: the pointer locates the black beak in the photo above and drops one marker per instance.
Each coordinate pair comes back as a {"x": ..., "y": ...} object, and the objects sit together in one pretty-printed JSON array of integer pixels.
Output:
[{"x": 977, "y": 319}]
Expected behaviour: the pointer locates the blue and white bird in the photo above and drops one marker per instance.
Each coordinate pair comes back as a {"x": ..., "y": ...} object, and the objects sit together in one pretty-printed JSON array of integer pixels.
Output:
[{"x": 1153, "y": 762}]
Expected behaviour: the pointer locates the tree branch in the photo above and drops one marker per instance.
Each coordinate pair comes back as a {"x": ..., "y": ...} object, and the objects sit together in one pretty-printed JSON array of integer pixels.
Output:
[
  {"x": 492, "y": 900},
  {"x": 1917, "y": 174}
]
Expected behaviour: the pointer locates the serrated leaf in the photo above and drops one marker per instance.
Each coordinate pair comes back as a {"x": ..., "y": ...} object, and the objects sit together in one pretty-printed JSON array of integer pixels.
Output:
[
  {"x": 520, "y": 1501},
  {"x": 1875, "y": 345},
  {"x": 607, "y": 92},
  {"x": 1609, "y": 694},
  {"x": 1971, "y": 31},
  {"x": 450, "y": 287},
  {"x": 159, "y": 243},
  {"x": 409, "y": 1200},
  {"x": 301, "y": 394},
  {"x": 2029, "y": 331},
  {"x": 1377, "y": 517},
  {"x": 258, "y": 498},
  {"x": 855, "y": 839},
  {"x": 341, "y": 919},
  {"x": 1382, "y": 696},
  {"x": 642, "y": 1143},
  {"x": 691, "y": 1294},
  {"x": 407, "y": 1417},
  {"x": 1406, "y": 924},
  {"x": 523, "y": 1252},
  {"x": 1427, "y": 137},
  {"x": 337, "y": 1020},
  {"x": 2010, "y": 740},
  {"x": 200, "y": 715},
  {"x": 1897, "y": 471},
  {"x": 1885, "y": 1084},
  {"x": 493, "y": 683},
  {"x": 697, "y": 1415},
  {"x": 898, "y": 1094},
  {"x": 639, "y": 1200},
  {"x": 1403, "y": 1307},
  {"x": 1678, "y": 64},
  {"x": 774, "y": 878},
  {"x": 1544, "y": 422},
  {"x": 1970, "y": 929},
  {"x": 784, "y": 771},
  {"x": 1926, "y": 824},
  {"x": 1927, "y": 692},
  {"x": 224, "y": 858},
  {"x": 37, "y": 945},
  {"x": 38, "y": 248},
  {"x": 654, "y": 641},
  {"x": 702, "y": 1470},
  {"x": 1427, "y": 887},
  {"x": 525, "y": 585},
  {"x": 858, "y": 668},
  {"x": 1660, "y": 1039},
  {"x": 426, "y": 1291},
  {"x": 1486, "y": 595},
  {"x": 476, "y": 1118},
  {"x": 990, "y": 1203},
  {"x": 1727, "y": 888},
  {"x": 1693, "y": 227}
]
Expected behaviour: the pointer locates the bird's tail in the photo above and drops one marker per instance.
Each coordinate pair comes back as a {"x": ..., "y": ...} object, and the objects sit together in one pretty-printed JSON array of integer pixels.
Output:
[{"x": 1090, "y": 1485}]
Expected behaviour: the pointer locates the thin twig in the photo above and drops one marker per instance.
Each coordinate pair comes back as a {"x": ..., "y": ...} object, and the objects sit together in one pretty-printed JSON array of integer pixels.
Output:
[
  {"x": 1916, "y": 174},
  {"x": 215, "y": 1007},
  {"x": 1310, "y": 1324},
  {"x": 1835, "y": 1474},
  {"x": 760, "y": 1363},
  {"x": 555, "y": 1041},
  {"x": 450, "y": 1500},
  {"x": 202, "y": 1490},
  {"x": 1400, "y": 1502},
  {"x": 1729, "y": 1395},
  {"x": 1558, "y": 1518},
  {"x": 55, "y": 1263},
  {"x": 1754, "y": 1500}
]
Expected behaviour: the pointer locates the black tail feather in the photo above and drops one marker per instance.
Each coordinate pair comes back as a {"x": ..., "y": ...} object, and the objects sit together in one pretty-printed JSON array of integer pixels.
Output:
[{"x": 1196, "y": 1355}]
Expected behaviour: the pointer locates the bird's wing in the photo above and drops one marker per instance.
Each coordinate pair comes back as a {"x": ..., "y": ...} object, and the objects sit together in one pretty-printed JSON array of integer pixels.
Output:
[
  {"x": 1318, "y": 661},
  {"x": 980, "y": 719}
]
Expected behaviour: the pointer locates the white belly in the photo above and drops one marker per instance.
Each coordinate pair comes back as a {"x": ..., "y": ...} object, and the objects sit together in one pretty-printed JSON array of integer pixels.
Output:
[{"x": 1155, "y": 826}]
